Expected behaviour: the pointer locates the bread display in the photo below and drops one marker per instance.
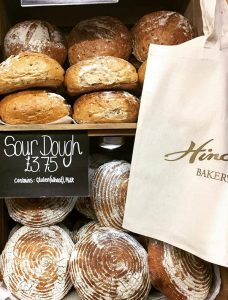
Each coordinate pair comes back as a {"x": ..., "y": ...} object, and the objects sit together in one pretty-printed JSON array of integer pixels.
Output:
[
  {"x": 141, "y": 73},
  {"x": 160, "y": 27},
  {"x": 36, "y": 36},
  {"x": 99, "y": 36},
  {"x": 177, "y": 274},
  {"x": 85, "y": 230},
  {"x": 100, "y": 73},
  {"x": 29, "y": 70},
  {"x": 35, "y": 263},
  {"x": 109, "y": 191},
  {"x": 39, "y": 212},
  {"x": 106, "y": 107},
  {"x": 33, "y": 107},
  {"x": 109, "y": 264}
]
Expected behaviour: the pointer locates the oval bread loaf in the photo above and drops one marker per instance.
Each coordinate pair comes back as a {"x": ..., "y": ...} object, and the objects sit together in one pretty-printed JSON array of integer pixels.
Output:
[
  {"x": 36, "y": 36},
  {"x": 35, "y": 263},
  {"x": 109, "y": 264},
  {"x": 29, "y": 70},
  {"x": 102, "y": 35},
  {"x": 100, "y": 73},
  {"x": 177, "y": 274},
  {"x": 160, "y": 27},
  {"x": 106, "y": 107},
  {"x": 33, "y": 107}
]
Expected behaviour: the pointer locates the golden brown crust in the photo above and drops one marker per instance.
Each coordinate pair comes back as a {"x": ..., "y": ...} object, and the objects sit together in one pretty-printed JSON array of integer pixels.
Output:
[
  {"x": 36, "y": 36},
  {"x": 177, "y": 274},
  {"x": 33, "y": 107},
  {"x": 29, "y": 70},
  {"x": 160, "y": 27},
  {"x": 141, "y": 73},
  {"x": 98, "y": 36},
  {"x": 100, "y": 73},
  {"x": 106, "y": 107}
]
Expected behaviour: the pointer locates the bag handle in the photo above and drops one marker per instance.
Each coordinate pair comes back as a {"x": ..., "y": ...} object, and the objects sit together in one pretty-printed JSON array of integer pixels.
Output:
[{"x": 215, "y": 23}]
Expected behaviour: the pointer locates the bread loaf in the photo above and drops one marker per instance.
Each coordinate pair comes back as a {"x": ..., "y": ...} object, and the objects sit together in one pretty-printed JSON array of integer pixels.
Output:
[
  {"x": 39, "y": 212},
  {"x": 160, "y": 27},
  {"x": 141, "y": 73},
  {"x": 85, "y": 230},
  {"x": 29, "y": 70},
  {"x": 100, "y": 73},
  {"x": 177, "y": 274},
  {"x": 98, "y": 36},
  {"x": 33, "y": 107},
  {"x": 109, "y": 264},
  {"x": 36, "y": 36},
  {"x": 35, "y": 263},
  {"x": 106, "y": 107},
  {"x": 108, "y": 192}
]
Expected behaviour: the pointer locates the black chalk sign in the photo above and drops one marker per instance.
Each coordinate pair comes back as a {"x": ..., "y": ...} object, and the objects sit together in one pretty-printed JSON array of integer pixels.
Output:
[{"x": 37, "y": 164}]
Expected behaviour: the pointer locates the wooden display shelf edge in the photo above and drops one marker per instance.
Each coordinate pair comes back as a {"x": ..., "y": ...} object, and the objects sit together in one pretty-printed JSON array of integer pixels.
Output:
[{"x": 114, "y": 129}]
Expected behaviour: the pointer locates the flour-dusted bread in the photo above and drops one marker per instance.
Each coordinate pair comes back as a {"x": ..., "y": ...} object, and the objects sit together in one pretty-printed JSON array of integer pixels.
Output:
[
  {"x": 85, "y": 206},
  {"x": 33, "y": 107},
  {"x": 177, "y": 274},
  {"x": 109, "y": 191},
  {"x": 36, "y": 36},
  {"x": 106, "y": 107},
  {"x": 29, "y": 70},
  {"x": 109, "y": 264},
  {"x": 102, "y": 35},
  {"x": 100, "y": 73},
  {"x": 85, "y": 230},
  {"x": 160, "y": 27},
  {"x": 39, "y": 212},
  {"x": 35, "y": 263}
]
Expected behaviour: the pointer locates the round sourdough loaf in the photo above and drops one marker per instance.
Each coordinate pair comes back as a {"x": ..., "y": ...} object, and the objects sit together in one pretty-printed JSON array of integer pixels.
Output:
[
  {"x": 109, "y": 264},
  {"x": 101, "y": 73},
  {"x": 33, "y": 107},
  {"x": 106, "y": 107},
  {"x": 39, "y": 212},
  {"x": 35, "y": 263},
  {"x": 36, "y": 36},
  {"x": 29, "y": 70},
  {"x": 141, "y": 73},
  {"x": 160, "y": 27},
  {"x": 177, "y": 274},
  {"x": 98, "y": 36},
  {"x": 108, "y": 191},
  {"x": 85, "y": 230}
]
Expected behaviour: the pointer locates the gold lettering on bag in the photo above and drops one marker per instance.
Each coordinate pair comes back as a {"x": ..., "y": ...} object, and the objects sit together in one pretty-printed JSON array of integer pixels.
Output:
[{"x": 201, "y": 153}]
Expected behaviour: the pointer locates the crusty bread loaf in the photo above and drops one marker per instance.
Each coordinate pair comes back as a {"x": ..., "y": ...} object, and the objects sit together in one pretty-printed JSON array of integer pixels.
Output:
[
  {"x": 84, "y": 230},
  {"x": 36, "y": 36},
  {"x": 39, "y": 212},
  {"x": 100, "y": 73},
  {"x": 108, "y": 191},
  {"x": 106, "y": 107},
  {"x": 35, "y": 263},
  {"x": 29, "y": 70},
  {"x": 33, "y": 107},
  {"x": 109, "y": 264},
  {"x": 177, "y": 274},
  {"x": 141, "y": 73},
  {"x": 160, "y": 27},
  {"x": 98, "y": 36}
]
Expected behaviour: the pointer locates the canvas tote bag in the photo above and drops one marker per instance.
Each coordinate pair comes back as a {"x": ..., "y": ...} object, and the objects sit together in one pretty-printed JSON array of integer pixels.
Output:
[{"x": 178, "y": 187}]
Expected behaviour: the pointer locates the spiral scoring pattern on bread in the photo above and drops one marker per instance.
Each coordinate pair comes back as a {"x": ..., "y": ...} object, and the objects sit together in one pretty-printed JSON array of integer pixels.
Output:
[
  {"x": 178, "y": 274},
  {"x": 109, "y": 264},
  {"x": 38, "y": 212},
  {"x": 85, "y": 230},
  {"x": 35, "y": 263},
  {"x": 109, "y": 190}
]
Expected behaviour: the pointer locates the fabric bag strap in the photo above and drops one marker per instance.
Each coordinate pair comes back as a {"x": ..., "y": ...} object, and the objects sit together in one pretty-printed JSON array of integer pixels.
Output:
[{"x": 215, "y": 23}]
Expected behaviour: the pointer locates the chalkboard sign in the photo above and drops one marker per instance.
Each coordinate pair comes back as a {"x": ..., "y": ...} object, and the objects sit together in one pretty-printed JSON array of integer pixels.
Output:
[{"x": 37, "y": 164}]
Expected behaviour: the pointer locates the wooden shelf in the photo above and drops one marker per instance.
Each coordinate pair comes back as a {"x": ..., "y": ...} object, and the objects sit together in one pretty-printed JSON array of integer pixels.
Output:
[{"x": 114, "y": 129}]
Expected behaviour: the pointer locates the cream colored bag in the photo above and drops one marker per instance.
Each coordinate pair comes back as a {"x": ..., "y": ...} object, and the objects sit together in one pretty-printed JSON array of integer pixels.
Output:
[{"x": 178, "y": 189}]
